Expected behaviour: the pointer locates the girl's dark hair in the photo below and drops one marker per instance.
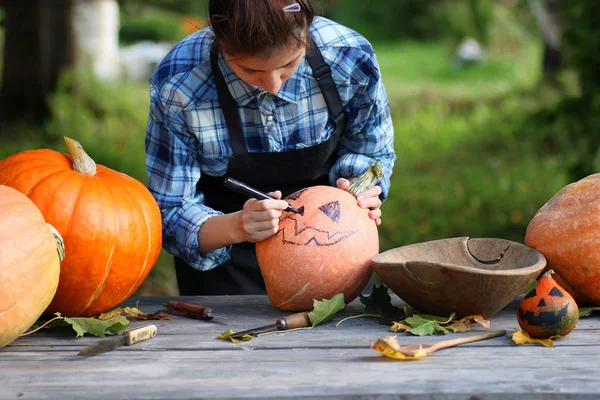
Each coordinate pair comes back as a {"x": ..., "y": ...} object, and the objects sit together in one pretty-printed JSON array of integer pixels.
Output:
[{"x": 259, "y": 26}]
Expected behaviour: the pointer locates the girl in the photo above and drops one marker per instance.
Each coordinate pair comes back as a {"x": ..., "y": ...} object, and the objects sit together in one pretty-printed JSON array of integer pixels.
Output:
[{"x": 274, "y": 97}]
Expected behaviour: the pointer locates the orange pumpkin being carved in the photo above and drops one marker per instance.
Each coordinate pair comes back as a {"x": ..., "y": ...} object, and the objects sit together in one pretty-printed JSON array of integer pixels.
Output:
[
  {"x": 29, "y": 264},
  {"x": 566, "y": 231},
  {"x": 110, "y": 223},
  {"x": 323, "y": 251},
  {"x": 548, "y": 310}
]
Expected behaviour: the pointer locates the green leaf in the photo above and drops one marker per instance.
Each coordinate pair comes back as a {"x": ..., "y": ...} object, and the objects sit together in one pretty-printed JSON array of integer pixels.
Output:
[
  {"x": 586, "y": 311},
  {"x": 380, "y": 303},
  {"x": 325, "y": 310},
  {"x": 425, "y": 325},
  {"x": 97, "y": 327}
]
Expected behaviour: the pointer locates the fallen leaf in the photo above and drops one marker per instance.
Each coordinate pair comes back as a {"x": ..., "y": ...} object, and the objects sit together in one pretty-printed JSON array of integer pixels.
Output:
[
  {"x": 95, "y": 326},
  {"x": 586, "y": 311},
  {"x": 227, "y": 335},
  {"x": 326, "y": 309},
  {"x": 380, "y": 302},
  {"x": 388, "y": 346},
  {"x": 520, "y": 337},
  {"x": 464, "y": 324},
  {"x": 134, "y": 312},
  {"x": 400, "y": 327}
]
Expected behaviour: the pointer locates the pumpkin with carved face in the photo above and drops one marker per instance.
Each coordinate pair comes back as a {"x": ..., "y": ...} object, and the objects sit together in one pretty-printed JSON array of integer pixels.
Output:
[
  {"x": 322, "y": 251},
  {"x": 548, "y": 310}
]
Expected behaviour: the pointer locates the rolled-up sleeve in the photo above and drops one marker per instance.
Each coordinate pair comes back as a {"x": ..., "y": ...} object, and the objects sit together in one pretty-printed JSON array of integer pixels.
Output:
[
  {"x": 173, "y": 173},
  {"x": 369, "y": 134}
]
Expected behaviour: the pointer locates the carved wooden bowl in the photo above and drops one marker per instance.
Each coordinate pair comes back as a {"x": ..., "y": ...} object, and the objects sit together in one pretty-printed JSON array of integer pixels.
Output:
[{"x": 462, "y": 275}]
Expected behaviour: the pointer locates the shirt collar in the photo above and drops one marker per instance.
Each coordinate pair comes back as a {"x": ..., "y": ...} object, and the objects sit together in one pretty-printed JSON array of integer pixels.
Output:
[{"x": 242, "y": 92}]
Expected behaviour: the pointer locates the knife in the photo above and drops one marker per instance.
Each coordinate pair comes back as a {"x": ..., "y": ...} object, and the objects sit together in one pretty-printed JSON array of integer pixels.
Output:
[
  {"x": 130, "y": 337},
  {"x": 294, "y": 321}
]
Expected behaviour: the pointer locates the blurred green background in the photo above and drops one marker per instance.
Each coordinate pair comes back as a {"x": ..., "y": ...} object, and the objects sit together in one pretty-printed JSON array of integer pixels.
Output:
[{"x": 482, "y": 142}]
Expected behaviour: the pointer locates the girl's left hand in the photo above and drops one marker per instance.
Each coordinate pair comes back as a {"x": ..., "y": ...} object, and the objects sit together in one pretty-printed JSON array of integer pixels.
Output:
[{"x": 367, "y": 199}]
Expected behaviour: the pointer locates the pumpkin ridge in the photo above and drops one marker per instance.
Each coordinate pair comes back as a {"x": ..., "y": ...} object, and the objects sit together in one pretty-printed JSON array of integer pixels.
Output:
[
  {"x": 31, "y": 183},
  {"x": 109, "y": 262},
  {"x": 118, "y": 180}
]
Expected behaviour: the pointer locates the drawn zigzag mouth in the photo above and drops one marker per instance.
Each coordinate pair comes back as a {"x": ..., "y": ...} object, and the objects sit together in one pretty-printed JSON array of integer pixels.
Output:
[{"x": 310, "y": 235}]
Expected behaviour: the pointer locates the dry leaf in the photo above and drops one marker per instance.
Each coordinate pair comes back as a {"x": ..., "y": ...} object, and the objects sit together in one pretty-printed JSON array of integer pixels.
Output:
[
  {"x": 464, "y": 324},
  {"x": 520, "y": 337},
  {"x": 134, "y": 312},
  {"x": 227, "y": 335},
  {"x": 388, "y": 346},
  {"x": 400, "y": 327}
]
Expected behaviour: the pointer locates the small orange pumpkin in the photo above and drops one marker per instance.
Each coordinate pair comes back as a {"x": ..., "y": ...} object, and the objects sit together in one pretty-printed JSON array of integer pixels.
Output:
[
  {"x": 323, "y": 251},
  {"x": 29, "y": 264},
  {"x": 565, "y": 230},
  {"x": 548, "y": 310},
  {"x": 110, "y": 222}
]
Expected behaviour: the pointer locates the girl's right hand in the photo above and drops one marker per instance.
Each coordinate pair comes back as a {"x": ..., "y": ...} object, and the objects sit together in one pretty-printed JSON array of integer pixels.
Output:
[{"x": 259, "y": 219}]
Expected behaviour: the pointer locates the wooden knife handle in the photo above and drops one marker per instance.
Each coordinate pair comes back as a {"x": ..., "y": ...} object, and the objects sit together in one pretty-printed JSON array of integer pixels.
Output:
[
  {"x": 298, "y": 320},
  {"x": 140, "y": 334},
  {"x": 189, "y": 310}
]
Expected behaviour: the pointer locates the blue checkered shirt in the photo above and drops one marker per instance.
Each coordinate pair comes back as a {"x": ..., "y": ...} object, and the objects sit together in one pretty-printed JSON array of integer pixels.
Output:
[{"x": 187, "y": 134}]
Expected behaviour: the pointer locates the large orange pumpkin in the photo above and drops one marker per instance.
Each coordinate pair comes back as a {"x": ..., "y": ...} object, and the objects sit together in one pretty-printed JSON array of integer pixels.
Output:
[
  {"x": 323, "y": 251},
  {"x": 29, "y": 264},
  {"x": 110, "y": 223},
  {"x": 566, "y": 230}
]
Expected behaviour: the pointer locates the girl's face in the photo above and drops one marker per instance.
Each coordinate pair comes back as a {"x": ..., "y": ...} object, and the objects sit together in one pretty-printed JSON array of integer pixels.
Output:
[{"x": 269, "y": 72}]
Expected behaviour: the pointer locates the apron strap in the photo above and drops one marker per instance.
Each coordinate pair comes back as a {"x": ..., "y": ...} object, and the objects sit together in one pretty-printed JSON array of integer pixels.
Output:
[
  {"x": 322, "y": 73},
  {"x": 228, "y": 105}
]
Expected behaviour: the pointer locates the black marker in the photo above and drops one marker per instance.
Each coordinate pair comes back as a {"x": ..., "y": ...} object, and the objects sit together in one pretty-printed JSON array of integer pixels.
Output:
[{"x": 250, "y": 191}]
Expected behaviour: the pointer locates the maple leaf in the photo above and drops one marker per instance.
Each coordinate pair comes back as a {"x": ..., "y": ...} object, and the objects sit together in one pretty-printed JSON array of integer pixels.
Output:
[
  {"x": 379, "y": 302},
  {"x": 586, "y": 311},
  {"x": 389, "y": 347},
  {"x": 326, "y": 309},
  {"x": 520, "y": 337}
]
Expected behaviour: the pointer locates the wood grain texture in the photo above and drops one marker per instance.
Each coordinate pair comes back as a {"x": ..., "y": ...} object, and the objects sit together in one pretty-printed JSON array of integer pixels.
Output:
[{"x": 186, "y": 361}]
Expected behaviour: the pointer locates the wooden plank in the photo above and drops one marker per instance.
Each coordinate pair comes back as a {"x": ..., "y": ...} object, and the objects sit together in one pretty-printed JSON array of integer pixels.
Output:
[{"x": 186, "y": 361}]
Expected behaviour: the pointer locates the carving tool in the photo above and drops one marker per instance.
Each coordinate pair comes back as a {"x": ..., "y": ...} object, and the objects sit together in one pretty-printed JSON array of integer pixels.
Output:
[
  {"x": 298, "y": 320},
  {"x": 130, "y": 337},
  {"x": 252, "y": 192},
  {"x": 189, "y": 310}
]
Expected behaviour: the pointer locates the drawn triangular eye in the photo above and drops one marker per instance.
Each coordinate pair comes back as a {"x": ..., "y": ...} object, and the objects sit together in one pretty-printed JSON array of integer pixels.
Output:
[
  {"x": 332, "y": 210},
  {"x": 296, "y": 195}
]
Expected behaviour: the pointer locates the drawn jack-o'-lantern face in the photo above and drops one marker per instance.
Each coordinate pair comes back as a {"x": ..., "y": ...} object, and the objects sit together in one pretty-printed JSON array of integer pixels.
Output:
[
  {"x": 548, "y": 310},
  {"x": 320, "y": 252},
  {"x": 315, "y": 224}
]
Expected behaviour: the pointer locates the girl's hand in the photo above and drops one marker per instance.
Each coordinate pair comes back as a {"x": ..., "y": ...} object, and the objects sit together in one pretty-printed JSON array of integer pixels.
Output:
[
  {"x": 259, "y": 219},
  {"x": 367, "y": 199}
]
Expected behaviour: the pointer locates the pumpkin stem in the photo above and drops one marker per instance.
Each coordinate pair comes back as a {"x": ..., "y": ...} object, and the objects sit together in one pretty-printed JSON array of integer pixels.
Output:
[
  {"x": 367, "y": 180},
  {"x": 60, "y": 244},
  {"x": 548, "y": 273},
  {"x": 82, "y": 163}
]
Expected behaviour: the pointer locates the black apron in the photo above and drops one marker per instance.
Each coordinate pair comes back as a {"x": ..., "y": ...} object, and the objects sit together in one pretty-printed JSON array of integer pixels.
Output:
[{"x": 287, "y": 171}]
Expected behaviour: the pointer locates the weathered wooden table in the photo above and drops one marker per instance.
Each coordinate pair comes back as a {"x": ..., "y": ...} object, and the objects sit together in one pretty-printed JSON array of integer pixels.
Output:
[{"x": 186, "y": 361}]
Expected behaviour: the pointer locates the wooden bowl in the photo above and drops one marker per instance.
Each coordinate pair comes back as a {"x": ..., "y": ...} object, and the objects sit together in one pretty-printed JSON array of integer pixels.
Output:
[{"x": 462, "y": 275}]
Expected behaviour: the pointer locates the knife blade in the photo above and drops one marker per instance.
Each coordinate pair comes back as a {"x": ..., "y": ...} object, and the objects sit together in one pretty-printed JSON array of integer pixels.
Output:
[{"x": 130, "y": 337}]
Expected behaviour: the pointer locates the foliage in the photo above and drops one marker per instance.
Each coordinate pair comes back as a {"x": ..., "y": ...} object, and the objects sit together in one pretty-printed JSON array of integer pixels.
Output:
[
  {"x": 107, "y": 119},
  {"x": 381, "y": 20},
  {"x": 157, "y": 26}
]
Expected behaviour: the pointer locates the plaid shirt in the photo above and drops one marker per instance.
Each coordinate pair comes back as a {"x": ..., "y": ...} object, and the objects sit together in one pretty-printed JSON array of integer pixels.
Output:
[{"x": 187, "y": 135}]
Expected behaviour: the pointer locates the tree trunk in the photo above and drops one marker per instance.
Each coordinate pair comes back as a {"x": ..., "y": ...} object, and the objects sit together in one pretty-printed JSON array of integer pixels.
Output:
[
  {"x": 39, "y": 45},
  {"x": 547, "y": 14}
]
